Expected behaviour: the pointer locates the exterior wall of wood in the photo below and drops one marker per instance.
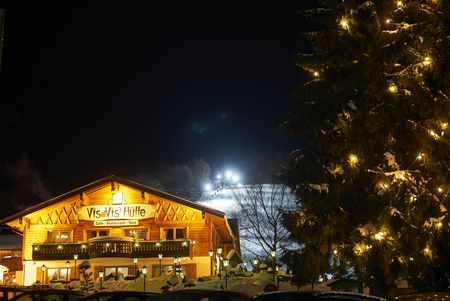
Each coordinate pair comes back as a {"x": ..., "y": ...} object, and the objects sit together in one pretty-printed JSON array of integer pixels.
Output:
[{"x": 200, "y": 227}]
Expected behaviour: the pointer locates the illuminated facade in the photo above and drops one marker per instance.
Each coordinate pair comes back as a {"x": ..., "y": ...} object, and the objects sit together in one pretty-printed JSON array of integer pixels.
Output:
[{"x": 119, "y": 226}]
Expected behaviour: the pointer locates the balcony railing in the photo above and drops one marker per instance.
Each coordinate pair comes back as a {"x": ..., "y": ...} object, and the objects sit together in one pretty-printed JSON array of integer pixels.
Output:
[{"x": 111, "y": 248}]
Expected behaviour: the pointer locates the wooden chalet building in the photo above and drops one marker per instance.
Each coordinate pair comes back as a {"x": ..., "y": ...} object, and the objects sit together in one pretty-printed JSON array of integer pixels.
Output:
[{"x": 119, "y": 226}]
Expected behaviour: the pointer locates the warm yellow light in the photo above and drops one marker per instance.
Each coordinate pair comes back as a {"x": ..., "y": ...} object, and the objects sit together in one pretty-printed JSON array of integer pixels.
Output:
[
  {"x": 433, "y": 134},
  {"x": 420, "y": 156},
  {"x": 438, "y": 225},
  {"x": 335, "y": 252},
  {"x": 352, "y": 159},
  {"x": 383, "y": 185},
  {"x": 344, "y": 23},
  {"x": 440, "y": 190},
  {"x": 444, "y": 125},
  {"x": 427, "y": 61},
  {"x": 399, "y": 3},
  {"x": 360, "y": 249},
  {"x": 393, "y": 88},
  {"x": 388, "y": 21},
  {"x": 402, "y": 176},
  {"x": 316, "y": 74},
  {"x": 427, "y": 251},
  {"x": 380, "y": 235}
]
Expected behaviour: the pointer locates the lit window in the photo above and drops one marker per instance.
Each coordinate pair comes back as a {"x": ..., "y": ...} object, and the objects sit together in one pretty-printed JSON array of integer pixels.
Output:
[
  {"x": 140, "y": 234},
  {"x": 59, "y": 236}
]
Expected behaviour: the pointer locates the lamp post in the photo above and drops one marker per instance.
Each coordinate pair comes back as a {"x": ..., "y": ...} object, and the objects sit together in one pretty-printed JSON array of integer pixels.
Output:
[
  {"x": 101, "y": 274},
  {"x": 273, "y": 253},
  {"x": 211, "y": 253},
  {"x": 67, "y": 274},
  {"x": 255, "y": 263},
  {"x": 160, "y": 256},
  {"x": 219, "y": 252},
  {"x": 144, "y": 272},
  {"x": 175, "y": 260},
  {"x": 75, "y": 257},
  {"x": 43, "y": 268},
  {"x": 225, "y": 265},
  {"x": 135, "y": 268},
  {"x": 179, "y": 265}
]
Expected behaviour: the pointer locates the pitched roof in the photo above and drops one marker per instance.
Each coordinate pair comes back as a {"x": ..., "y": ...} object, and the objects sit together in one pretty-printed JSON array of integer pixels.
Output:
[{"x": 113, "y": 178}]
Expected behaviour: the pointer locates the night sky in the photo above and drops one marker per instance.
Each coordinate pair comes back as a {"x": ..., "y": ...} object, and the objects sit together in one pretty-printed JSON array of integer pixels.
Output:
[{"x": 93, "y": 89}]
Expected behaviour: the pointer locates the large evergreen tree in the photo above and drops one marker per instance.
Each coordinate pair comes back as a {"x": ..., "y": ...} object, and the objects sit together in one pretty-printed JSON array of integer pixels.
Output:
[{"x": 374, "y": 182}]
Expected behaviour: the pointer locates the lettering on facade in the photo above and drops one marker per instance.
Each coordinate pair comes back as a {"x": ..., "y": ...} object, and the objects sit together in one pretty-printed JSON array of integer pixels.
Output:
[
  {"x": 115, "y": 212},
  {"x": 132, "y": 222}
]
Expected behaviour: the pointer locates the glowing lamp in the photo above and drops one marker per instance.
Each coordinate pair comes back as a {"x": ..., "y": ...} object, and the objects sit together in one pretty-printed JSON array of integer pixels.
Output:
[
  {"x": 393, "y": 88},
  {"x": 226, "y": 262},
  {"x": 344, "y": 23},
  {"x": 208, "y": 187},
  {"x": 353, "y": 159}
]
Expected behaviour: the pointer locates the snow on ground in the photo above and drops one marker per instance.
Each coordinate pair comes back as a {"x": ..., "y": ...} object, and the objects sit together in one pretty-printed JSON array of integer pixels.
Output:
[{"x": 248, "y": 285}]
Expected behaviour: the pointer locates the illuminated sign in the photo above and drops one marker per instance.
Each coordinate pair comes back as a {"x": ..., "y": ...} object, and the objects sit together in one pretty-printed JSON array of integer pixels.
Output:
[
  {"x": 130, "y": 222},
  {"x": 116, "y": 212}
]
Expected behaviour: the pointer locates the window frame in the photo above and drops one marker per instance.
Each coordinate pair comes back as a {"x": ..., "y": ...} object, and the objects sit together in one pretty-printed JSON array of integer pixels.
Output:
[
  {"x": 50, "y": 233},
  {"x": 163, "y": 233}
]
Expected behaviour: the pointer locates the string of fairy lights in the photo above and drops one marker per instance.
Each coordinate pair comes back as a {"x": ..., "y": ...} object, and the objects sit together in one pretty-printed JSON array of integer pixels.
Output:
[{"x": 437, "y": 131}]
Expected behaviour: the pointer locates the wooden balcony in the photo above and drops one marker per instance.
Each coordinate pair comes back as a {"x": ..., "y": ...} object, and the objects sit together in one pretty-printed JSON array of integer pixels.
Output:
[{"x": 111, "y": 248}]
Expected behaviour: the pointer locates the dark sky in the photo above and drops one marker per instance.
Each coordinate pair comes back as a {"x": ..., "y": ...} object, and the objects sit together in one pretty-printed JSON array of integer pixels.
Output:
[{"x": 97, "y": 88}]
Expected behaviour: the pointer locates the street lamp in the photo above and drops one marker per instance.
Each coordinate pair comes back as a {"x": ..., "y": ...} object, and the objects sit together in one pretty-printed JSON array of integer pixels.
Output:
[
  {"x": 175, "y": 260},
  {"x": 144, "y": 272},
  {"x": 160, "y": 256},
  {"x": 43, "y": 268},
  {"x": 211, "y": 253},
  {"x": 273, "y": 253},
  {"x": 67, "y": 274},
  {"x": 219, "y": 252},
  {"x": 101, "y": 274},
  {"x": 75, "y": 257},
  {"x": 255, "y": 263},
  {"x": 135, "y": 268},
  {"x": 179, "y": 264},
  {"x": 225, "y": 265}
]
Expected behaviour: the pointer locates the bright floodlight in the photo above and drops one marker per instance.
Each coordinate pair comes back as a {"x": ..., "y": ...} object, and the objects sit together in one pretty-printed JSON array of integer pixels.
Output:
[
  {"x": 235, "y": 178},
  {"x": 219, "y": 176},
  {"x": 228, "y": 174},
  {"x": 208, "y": 187}
]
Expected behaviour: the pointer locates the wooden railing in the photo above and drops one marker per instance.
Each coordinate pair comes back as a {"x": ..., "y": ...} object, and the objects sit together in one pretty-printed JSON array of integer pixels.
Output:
[{"x": 111, "y": 248}]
